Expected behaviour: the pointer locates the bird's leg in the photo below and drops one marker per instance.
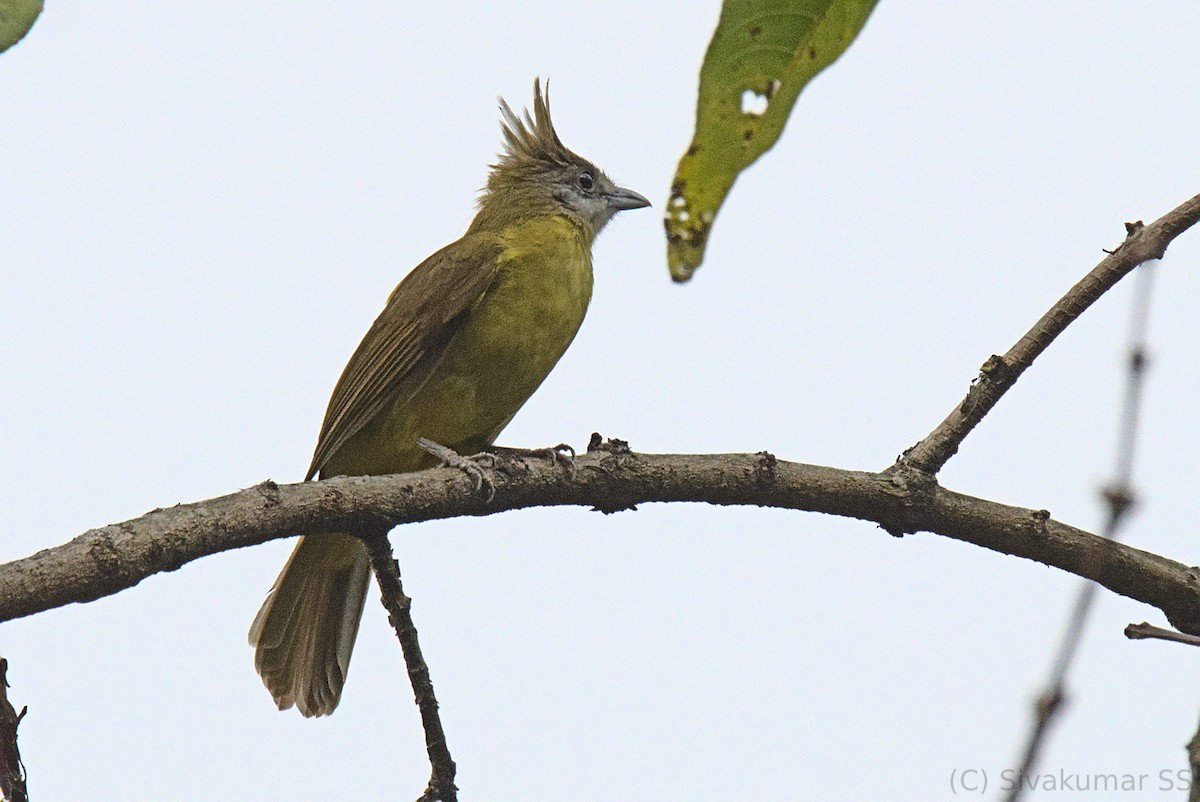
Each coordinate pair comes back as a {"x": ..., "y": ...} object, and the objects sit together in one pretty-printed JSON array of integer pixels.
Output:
[
  {"x": 561, "y": 452},
  {"x": 471, "y": 466}
]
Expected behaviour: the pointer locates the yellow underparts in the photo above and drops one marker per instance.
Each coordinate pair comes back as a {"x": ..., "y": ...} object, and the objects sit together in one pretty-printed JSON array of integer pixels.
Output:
[{"x": 514, "y": 336}]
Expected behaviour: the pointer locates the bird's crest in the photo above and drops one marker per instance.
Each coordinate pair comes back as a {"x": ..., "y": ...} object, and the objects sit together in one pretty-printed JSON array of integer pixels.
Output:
[{"x": 531, "y": 140}]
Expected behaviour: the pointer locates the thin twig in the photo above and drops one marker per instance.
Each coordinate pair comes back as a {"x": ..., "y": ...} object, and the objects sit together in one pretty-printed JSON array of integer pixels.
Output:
[
  {"x": 1000, "y": 373},
  {"x": 441, "y": 786},
  {"x": 12, "y": 769},
  {"x": 1118, "y": 497},
  {"x": 1147, "y": 631},
  {"x": 1193, "y": 751}
]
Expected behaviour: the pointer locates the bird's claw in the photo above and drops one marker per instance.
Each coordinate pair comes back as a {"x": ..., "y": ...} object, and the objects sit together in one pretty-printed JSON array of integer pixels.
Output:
[
  {"x": 471, "y": 465},
  {"x": 564, "y": 452},
  {"x": 560, "y": 453}
]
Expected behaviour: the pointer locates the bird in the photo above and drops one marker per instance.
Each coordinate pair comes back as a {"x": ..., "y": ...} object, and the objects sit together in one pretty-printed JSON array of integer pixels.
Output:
[{"x": 463, "y": 341}]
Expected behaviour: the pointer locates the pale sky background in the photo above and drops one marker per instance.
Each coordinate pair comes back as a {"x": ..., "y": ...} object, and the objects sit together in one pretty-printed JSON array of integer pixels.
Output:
[{"x": 203, "y": 206}]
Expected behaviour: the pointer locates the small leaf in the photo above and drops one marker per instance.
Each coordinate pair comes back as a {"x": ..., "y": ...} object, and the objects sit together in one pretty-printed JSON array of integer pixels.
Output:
[
  {"x": 16, "y": 18},
  {"x": 760, "y": 57}
]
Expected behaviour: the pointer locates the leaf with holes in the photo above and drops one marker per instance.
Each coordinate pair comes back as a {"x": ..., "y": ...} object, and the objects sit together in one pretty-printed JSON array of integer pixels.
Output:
[
  {"x": 760, "y": 57},
  {"x": 16, "y": 18}
]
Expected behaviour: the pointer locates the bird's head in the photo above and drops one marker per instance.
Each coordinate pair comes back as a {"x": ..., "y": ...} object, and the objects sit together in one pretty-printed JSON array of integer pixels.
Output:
[{"x": 537, "y": 174}]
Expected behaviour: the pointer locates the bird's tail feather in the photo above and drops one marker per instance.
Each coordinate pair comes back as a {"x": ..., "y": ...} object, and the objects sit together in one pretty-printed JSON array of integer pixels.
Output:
[{"x": 304, "y": 634}]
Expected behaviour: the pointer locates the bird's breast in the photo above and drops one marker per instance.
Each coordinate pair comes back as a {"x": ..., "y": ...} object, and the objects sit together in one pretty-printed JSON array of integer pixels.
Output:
[
  {"x": 524, "y": 322},
  {"x": 514, "y": 335}
]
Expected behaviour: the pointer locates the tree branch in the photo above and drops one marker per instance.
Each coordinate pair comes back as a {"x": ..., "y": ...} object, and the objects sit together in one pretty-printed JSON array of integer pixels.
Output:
[
  {"x": 1193, "y": 750},
  {"x": 1118, "y": 497},
  {"x": 441, "y": 786},
  {"x": 12, "y": 769},
  {"x": 1000, "y": 373},
  {"x": 1147, "y": 630},
  {"x": 609, "y": 478}
]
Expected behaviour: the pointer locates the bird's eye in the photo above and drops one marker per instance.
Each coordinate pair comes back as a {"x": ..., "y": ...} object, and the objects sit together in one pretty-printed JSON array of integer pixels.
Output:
[{"x": 586, "y": 181}]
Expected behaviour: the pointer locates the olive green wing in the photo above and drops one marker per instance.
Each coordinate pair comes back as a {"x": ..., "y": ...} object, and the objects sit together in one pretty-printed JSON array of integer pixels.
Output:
[{"x": 408, "y": 338}]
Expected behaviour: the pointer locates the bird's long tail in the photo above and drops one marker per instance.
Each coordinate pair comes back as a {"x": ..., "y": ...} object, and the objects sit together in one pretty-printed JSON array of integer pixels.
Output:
[{"x": 304, "y": 634}]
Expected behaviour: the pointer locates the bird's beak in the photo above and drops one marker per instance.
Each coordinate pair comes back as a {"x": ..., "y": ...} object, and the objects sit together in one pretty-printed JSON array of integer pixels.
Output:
[{"x": 621, "y": 199}]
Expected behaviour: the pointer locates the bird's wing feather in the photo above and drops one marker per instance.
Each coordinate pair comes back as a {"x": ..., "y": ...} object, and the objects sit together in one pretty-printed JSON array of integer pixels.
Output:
[{"x": 408, "y": 338}]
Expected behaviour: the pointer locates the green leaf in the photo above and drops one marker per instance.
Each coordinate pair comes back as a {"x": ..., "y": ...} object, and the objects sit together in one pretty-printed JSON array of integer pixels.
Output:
[
  {"x": 16, "y": 18},
  {"x": 761, "y": 55}
]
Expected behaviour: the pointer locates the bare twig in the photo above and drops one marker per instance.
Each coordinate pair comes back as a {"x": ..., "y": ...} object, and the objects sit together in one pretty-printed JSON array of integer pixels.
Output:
[
  {"x": 1147, "y": 631},
  {"x": 1118, "y": 497},
  {"x": 1193, "y": 750},
  {"x": 106, "y": 560},
  {"x": 12, "y": 770},
  {"x": 1000, "y": 373},
  {"x": 441, "y": 786}
]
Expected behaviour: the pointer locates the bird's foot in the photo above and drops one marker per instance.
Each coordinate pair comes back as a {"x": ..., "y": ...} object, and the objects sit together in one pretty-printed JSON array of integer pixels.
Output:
[
  {"x": 560, "y": 453},
  {"x": 473, "y": 466}
]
